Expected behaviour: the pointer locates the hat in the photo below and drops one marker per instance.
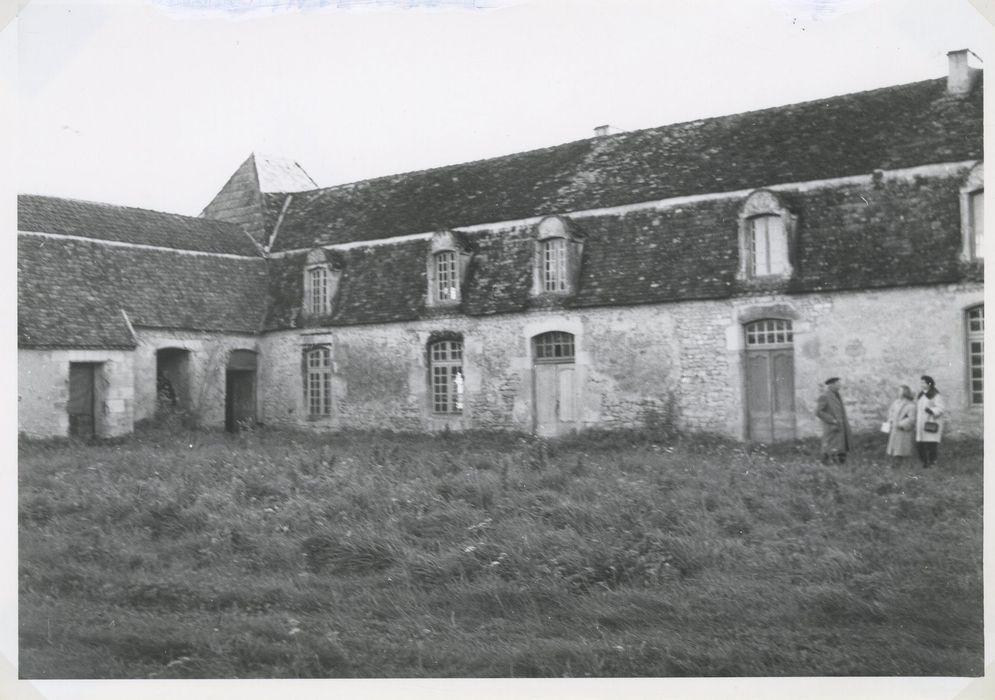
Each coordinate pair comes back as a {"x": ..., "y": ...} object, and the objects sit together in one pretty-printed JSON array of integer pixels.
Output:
[{"x": 832, "y": 380}]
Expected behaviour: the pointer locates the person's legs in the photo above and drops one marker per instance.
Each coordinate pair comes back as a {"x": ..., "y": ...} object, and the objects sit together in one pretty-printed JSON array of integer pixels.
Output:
[
  {"x": 921, "y": 450},
  {"x": 932, "y": 449}
]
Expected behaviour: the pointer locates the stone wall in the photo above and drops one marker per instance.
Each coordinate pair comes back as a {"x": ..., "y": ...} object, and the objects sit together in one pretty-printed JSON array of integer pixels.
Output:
[
  {"x": 206, "y": 364},
  {"x": 43, "y": 391},
  {"x": 640, "y": 365}
]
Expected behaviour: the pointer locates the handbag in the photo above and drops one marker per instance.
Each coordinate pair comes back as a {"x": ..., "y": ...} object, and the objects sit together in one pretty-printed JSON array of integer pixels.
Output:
[
  {"x": 931, "y": 426},
  {"x": 886, "y": 427}
]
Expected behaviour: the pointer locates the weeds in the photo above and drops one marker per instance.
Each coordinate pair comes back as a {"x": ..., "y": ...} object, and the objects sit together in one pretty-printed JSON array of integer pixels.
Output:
[{"x": 643, "y": 553}]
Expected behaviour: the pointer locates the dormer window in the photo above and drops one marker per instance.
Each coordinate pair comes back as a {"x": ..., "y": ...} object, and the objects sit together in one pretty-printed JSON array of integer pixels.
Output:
[
  {"x": 321, "y": 280},
  {"x": 972, "y": 214},
  {"x": 448, "y": 262},
  {"x": 554, "y": 265},
  {"x": 558, "y": 254},
  {"x": 766, "y": 237}
]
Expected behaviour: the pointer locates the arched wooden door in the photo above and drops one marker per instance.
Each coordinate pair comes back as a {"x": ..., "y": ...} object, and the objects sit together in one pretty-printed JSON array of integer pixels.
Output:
[
  {"x": 770, "y": 380},
  {"x": 553, "y": 383}
]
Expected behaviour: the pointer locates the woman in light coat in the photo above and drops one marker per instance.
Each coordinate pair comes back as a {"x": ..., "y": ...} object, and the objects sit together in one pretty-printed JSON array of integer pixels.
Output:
[
  {"x": 929, "y": 421},
  {"x": 902, "y": 418}
]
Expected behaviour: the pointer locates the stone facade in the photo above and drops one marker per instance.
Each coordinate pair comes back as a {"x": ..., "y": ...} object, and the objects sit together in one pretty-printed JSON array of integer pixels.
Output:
[{"x": 43, "y": 391}]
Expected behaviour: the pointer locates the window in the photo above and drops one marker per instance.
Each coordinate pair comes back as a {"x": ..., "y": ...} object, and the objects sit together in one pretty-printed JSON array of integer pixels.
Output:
[
  {"x": 318, "y": 299},
  {"x": 554, "y": 346},
  {"x": 559, "y": 248},
  {"x": 448, "y": 263},
  {"x": 972, "y": 214},
  {"x": 769, "y": 331},
  {"x": 554, "y": 264},
  {"x": 318, "y": 386},
  {"x": 322, "y": 272},
  {"x": 976, "y": 354},
  {"x": 976, "y": 223},
  {"x": 446, "y": 372},
  {"x": 446, "y": 276},
  {"x": 766, "y": 237}
]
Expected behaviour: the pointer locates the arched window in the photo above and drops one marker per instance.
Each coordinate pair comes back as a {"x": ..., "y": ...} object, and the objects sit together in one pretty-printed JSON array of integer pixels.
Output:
[
  {"x": 446, "y": 375},
  {"x": 559, "y": 248},
  {"x": 448, "y": 263},
  {"x": 766, "y": 230},
  {"x": 322, "y": 271},
  {"x": 976, "y": 354},
  {"x": 318, "y": 381},
  {"x": 554, "y": 346},
  {"x": 769, "y": 331}
]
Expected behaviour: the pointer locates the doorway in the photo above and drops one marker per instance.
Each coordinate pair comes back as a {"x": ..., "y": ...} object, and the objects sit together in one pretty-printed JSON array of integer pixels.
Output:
[
  {"x": 554, "y": 383},
  {"x": 770, "y": 380},
  {"x": 82, "y": 406},
  {"x": 240, "y": 391}
]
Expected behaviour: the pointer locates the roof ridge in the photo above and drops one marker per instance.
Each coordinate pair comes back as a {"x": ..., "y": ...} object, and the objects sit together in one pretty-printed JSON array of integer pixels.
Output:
[{"x": 619, "y": 136}]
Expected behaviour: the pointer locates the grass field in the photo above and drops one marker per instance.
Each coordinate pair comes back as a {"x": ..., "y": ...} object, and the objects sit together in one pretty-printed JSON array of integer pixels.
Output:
[{"x": 272, "y": 554}]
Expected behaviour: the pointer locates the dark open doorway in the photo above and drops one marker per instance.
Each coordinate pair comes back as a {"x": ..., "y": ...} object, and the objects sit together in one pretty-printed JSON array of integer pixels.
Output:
[{"x": 240, "y": 391}]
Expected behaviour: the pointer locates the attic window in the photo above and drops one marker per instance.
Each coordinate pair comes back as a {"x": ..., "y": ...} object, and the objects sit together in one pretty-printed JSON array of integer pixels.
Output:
[
  {"x": 321, "y": 281},
  {"x": 972, "y": 214},
  {"x": 766, "y": 237},
  {"x": 447, "y": 265},
  {"x": 558, "y": 255}
]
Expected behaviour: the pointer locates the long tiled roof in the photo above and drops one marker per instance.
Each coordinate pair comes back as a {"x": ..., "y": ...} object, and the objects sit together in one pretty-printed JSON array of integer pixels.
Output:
[
  {"x": 109, "y": 222},
  {"x": 859, "y": 236},
  {"x": 71, "y": 292},
  {"x": 889, "y": 128}
]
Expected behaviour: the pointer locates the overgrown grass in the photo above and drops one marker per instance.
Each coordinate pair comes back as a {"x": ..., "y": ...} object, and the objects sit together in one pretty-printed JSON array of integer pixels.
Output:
[{"x": 278, "y": 554}]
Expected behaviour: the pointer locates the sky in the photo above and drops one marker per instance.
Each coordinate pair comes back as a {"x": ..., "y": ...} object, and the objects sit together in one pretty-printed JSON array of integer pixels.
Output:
[{"x": 155, "y": 103}]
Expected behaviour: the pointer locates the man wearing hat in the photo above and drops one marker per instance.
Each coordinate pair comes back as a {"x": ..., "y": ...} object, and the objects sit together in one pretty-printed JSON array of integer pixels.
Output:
[{"x": 835, "y": 429}]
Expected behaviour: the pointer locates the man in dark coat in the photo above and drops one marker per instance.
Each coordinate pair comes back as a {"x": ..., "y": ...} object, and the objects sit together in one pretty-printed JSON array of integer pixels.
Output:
[{"x": 835, "y": 429}]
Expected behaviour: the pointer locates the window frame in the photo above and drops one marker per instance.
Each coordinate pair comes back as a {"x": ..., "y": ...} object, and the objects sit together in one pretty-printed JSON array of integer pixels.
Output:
[
  {"x": 557, "y": 258},
  {"x": 451, "y": 275},
  {"x": 973, "y": 185},
  {"x": 760, "y": 204},
  {"x": 452, "y": 247},
  {"x": 318, "y": 375},
  {"x": 554, "y": 264},
  {"x": 319, "y": 301},
  {"x": 446, "y": 377},
  {"x": 768, "y": 333},
  {"x": 554, "y": 347},
  {"x": 975, "y": 314}
]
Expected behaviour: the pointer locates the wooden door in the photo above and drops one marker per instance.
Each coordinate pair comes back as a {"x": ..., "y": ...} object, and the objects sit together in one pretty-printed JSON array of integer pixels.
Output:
[
  {"x": 82, "y": 399},
  {"x": 240, "y": 399},
  {"x": 554, "y": 399},
  {"x": 770, "y": 381}
]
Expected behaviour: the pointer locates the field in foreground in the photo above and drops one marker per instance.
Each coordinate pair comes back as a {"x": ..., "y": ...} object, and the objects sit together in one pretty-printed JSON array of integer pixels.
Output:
[{"x": 376, "y": 555}]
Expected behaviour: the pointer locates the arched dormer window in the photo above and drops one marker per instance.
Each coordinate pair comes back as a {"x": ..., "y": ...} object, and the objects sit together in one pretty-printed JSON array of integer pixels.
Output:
[
  {"x": 448, "y": 262},
  {"x": 766, "y": 237},
  {"x": 322, "y": 273},
  {"x": 972, "y": 214},
  {"x": 558, "y": 253}
]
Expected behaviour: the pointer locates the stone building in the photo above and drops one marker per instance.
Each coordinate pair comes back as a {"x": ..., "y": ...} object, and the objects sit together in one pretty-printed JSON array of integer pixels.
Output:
[{"x": 707, "y": 275}]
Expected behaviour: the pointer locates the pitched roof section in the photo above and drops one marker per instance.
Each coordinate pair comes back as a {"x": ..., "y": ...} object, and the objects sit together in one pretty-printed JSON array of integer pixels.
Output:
[
  {"x": 71, "y": 292},
  {"x": 247, "y": 198},
  {"x": 859, "y": 236},
  {"x": 890, "y": 128},
  {"x": 108, "y": 222}
]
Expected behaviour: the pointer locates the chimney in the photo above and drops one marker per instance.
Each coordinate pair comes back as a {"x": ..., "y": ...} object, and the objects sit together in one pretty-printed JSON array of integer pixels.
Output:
[
  {"x": 606, "y": 130},
  {"x": 962, "y": 74}
]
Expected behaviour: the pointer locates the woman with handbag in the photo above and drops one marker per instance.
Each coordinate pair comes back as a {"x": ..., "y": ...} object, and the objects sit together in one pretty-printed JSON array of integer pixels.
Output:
[
  {"x": 900, "y": 426},
  {"x": 929, "y": 421}
]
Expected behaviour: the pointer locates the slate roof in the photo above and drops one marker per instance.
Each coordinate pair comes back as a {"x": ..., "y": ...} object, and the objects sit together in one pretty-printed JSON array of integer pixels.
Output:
[
  {"x": 860, "y": 236},
  {"x": 110, "y": 222},
  {"x": 889, "y": 128},
  {"x": 70, "y": 293}
]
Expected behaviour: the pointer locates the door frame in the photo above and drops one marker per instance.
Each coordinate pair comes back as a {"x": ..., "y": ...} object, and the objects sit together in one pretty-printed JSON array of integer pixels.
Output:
[
  {"x": 95, "y": 369},
  {"x": 557, "y": 362},
  {"x": 771, "y": 348}
]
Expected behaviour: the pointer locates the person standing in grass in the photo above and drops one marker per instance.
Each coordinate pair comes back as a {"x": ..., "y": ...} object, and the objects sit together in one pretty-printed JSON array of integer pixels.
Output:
[
  {"x": 902, "y": 421},
  {"x": 929, "y": 421},
  {"x": 835, "y": 429}
]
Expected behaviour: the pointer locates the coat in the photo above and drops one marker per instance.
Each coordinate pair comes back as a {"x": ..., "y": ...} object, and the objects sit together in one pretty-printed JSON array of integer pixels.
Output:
[
  {"x": 835, "y": 428},
  {"x": 938, "y": 408},
  {"x": 901, "y": 439}
]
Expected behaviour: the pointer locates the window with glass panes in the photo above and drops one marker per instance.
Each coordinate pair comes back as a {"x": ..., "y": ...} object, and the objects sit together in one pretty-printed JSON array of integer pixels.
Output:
[
  {"x": 768, "y": 246},
  {"x": 976, "y": 354},
  {"x": 976, "y": 201},
  {"x": 318, "y": 279},
  {"x": 554, "y": 346},
  {"x": 446, "y": 276},
  {"x": 446, "y": 372},
  {"x": 319, "y": 382},
  {"x": 769, "y": 331},
  {"x": 554, "y": 264}
]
